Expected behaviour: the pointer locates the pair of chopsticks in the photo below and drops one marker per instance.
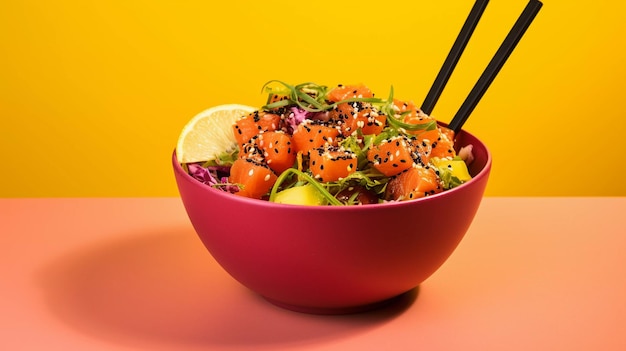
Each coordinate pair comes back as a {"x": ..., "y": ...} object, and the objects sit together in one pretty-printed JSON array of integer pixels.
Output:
[{"x": 494, "y": 66}]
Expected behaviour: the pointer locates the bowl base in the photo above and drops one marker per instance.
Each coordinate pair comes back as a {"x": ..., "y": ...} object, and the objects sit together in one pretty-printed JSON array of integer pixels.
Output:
[{"x": 404, "y": 298}]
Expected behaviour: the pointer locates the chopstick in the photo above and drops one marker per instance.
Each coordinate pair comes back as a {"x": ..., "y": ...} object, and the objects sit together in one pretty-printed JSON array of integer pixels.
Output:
[
  {"x": 453, "y": 56},
  {"x": 496, "y": 63}
]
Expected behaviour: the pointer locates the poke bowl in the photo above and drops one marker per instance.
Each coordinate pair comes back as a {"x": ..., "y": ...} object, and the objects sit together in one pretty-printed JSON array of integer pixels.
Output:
[{"x": 334, "y": 259}]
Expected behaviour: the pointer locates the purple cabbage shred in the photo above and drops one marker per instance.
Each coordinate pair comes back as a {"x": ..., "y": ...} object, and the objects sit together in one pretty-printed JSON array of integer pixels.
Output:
[
  {"x": 215, "y": 176},
  {"x": 296, "y": 117}
]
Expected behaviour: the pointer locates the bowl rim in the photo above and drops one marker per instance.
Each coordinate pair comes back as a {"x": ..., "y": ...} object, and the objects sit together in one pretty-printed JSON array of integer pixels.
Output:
[{"x": 484, "y": 172}]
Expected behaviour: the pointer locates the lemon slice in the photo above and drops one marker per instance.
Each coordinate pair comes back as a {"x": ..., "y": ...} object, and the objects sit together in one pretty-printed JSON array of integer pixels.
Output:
[{"x": 209, "y": 133}]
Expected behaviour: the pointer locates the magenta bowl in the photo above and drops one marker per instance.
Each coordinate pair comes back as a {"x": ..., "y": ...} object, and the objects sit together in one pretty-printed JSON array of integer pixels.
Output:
[{"x": 330, "y": 259}]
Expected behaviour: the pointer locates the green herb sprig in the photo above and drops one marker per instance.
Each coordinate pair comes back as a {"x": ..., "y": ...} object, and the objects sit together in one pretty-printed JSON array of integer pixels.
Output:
[{"x": 308, "y": 96}]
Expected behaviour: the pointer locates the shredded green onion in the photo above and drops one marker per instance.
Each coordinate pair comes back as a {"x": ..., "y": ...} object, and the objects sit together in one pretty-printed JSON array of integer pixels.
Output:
[
  {"x": 308, "y": 96},
  {"x": 328, "y": 196},
  {"x": 396, "y": 123}
]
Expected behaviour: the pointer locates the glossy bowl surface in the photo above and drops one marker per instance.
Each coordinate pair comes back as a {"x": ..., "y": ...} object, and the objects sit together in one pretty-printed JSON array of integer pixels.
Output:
[{"x": 329, "y": 259}]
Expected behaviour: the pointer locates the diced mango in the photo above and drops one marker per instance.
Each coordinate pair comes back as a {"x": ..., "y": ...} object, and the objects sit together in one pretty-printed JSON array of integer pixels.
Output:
[{"x": 458, "y": 168}]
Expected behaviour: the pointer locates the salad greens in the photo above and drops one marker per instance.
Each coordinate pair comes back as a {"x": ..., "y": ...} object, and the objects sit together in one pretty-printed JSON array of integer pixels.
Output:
[{"x": 400, "y": 129}]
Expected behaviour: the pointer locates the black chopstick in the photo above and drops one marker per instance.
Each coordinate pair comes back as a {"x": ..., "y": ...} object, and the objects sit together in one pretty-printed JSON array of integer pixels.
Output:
[
  {"x": 453, "y": 56},
  {"x": 496, "y": 63}
]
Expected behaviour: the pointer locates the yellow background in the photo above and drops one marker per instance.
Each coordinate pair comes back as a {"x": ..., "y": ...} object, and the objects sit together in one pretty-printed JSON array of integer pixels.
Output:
[{"x": 93, "y": 94}]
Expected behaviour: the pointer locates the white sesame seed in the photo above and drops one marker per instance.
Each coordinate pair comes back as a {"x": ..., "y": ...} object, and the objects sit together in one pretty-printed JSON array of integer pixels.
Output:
[
  {"x": 251, "y": 172},
  {"x": 267, "y": 177}
]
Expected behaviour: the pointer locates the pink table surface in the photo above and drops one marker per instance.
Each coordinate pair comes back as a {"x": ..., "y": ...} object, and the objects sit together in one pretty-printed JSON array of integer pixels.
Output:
[{"x": 130, "y": 274}]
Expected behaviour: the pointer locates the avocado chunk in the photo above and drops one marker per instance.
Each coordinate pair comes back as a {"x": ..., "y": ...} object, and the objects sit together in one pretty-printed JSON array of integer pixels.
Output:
[{"x": 300, "y": 195}]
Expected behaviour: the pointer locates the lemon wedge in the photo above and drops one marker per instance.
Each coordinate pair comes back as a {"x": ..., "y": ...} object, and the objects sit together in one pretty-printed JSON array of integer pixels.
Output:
[{"x": 210, "y": 133}]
